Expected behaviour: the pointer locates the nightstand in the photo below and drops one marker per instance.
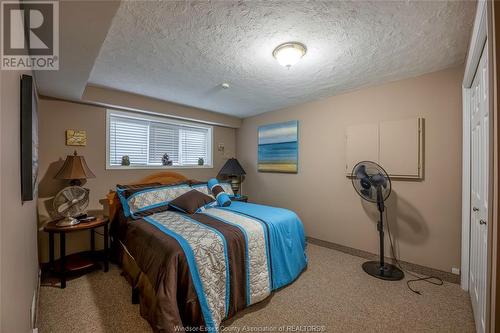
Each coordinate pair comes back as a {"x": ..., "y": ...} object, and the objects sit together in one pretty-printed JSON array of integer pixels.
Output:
[
  {"x": 242, "y": 198},
  {"x": 78, "y": 261}
]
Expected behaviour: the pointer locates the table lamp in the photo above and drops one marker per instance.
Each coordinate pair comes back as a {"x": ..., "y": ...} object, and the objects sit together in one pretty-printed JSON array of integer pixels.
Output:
[
  {"x": 74, "y": 169},
  {"x": 232, "y": 170}
]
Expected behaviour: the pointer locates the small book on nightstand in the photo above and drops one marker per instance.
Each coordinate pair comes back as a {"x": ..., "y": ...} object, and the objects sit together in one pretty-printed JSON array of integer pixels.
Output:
[{"x": 86, "y": 218}]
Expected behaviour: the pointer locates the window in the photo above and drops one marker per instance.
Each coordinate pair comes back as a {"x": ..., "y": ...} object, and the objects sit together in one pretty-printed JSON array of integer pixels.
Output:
[{"x": 146, "y": 139}]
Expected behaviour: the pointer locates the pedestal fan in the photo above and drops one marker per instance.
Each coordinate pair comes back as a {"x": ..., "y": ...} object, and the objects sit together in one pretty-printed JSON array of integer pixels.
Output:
[{"x": 373, "y": 184}]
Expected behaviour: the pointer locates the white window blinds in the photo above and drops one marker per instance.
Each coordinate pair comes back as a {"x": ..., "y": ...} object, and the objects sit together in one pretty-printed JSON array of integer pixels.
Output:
[
  {"x": 163, "y": 139},
  {"x": 146, "y": 141},
  {"x": 128, "y": 137},
  {"x": 192, "y": 144}
]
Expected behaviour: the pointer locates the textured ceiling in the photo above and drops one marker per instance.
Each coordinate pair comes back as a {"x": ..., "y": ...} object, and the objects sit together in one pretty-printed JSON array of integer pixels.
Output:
[{"x": 182, "y": 51}]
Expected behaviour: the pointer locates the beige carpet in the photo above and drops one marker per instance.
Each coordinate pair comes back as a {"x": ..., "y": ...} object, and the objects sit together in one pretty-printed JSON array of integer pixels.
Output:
[{"x": 334, "y": 294}]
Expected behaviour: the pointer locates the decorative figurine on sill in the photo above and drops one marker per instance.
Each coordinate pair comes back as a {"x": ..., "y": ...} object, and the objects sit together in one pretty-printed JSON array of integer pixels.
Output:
[
  {"x": 165, "y": 160},
  {"x": 201, "y": 161},
  {"x": 125, "y": 160}
]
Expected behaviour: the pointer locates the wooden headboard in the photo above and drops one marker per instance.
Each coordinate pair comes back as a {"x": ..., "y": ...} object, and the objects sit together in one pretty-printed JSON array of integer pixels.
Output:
[{"x": 164, "y": 177}]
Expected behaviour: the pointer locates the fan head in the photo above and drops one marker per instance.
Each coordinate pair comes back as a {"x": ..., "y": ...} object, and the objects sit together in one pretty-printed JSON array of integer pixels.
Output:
[
  {"x": 71, "y": 202},
  {"x": 370, "y": 180}
]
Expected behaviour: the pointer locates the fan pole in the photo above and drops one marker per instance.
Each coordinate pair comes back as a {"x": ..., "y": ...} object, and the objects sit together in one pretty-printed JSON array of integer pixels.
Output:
[
  {"x": 380, "y": 227},
  {"x": 380, "y": 224},
  {"x": 380, "y": 269}
]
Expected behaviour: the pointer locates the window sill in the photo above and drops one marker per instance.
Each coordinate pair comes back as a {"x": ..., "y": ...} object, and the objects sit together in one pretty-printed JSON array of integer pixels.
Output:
[{"x": 157, "y": 167}]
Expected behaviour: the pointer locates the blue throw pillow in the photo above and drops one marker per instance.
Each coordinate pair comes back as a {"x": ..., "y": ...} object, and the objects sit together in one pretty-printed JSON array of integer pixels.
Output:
[{"x": 222, "y": 198}]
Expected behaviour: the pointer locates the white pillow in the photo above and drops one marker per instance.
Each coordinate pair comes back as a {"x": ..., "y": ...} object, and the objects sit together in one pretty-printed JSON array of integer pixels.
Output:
[
  {"x": 203, "y": 188},
  {"x": 227, "y": 188}
]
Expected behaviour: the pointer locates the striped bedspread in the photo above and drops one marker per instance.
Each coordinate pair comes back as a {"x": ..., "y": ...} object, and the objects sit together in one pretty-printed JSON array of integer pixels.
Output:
[{"x": 236, "y": 256}]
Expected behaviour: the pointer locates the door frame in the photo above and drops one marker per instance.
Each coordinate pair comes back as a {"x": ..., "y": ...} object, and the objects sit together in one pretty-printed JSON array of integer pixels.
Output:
[
  {"x": 1, "y": 167},
  {"x": 482, "y": 33}
]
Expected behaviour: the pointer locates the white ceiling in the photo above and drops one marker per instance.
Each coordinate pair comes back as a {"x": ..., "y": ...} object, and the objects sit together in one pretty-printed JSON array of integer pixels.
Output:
[{"x": 182, "y": 51}]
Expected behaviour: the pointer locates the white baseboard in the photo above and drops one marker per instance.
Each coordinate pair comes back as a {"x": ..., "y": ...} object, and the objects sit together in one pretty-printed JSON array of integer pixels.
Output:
[{"x": 34, "y": 304}]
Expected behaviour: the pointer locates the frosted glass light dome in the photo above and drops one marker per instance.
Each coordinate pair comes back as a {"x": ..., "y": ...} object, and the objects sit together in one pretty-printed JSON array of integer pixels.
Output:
[{"x": 288, "y": 54}]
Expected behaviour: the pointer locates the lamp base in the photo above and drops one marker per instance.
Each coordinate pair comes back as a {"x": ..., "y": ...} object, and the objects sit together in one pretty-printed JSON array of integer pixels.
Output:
[
  {"x": 235, "y": 184},
  {"x": 75, "y": 182},
  {"x": 387, "y": 272}
]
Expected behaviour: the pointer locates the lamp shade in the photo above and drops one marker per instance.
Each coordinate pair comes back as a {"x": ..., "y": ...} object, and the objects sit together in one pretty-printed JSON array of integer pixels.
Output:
[
  {"x": 231, "y": 168},
  {"x": 74, "y": 167}
]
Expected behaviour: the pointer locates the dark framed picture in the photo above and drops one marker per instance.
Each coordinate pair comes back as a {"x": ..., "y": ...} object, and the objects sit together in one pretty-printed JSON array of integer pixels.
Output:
[{"x": 29, "y": 139}]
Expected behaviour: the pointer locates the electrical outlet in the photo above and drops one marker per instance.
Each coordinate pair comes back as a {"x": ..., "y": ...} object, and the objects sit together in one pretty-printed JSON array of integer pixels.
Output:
[{"x": 455, "y": 270}]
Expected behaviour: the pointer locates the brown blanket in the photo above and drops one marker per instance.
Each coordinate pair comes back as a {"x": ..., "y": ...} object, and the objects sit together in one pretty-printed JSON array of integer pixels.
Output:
[{"x": 161, "y": 258}]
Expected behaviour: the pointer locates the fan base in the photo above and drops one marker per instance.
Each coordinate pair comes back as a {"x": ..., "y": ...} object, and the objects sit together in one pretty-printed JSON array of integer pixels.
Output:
[
  {"x": 387, "y": 272},
  {"x": 67, "y": 222}
]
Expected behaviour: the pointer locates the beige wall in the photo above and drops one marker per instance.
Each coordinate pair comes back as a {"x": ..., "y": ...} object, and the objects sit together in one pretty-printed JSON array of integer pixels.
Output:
[
  {"x": 425, "y": 215},
  {"x": 57, "y": 116},
  {"x": 129, "y": 100},
  {"x": 18, "y": 242}
]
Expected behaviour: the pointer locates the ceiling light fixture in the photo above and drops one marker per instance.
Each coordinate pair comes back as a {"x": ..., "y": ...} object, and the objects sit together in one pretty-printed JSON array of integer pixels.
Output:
[{"x": 288, "y": 54}]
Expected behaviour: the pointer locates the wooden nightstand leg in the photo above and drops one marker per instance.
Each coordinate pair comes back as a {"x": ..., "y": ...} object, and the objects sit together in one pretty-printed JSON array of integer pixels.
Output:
[
  {"x": 92, "y": 244},
  {"x": 106, "y": 236},
  {"x": 63, "y": 259},
  {"x": 51, "y": 251},
  {"x": 135, "y": 296}
]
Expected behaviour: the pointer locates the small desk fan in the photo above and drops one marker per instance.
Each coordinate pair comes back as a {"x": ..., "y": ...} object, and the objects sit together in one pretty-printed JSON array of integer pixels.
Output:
[
  {"x": 70, "y": 203},
  {"x": 373, "y": 184}
]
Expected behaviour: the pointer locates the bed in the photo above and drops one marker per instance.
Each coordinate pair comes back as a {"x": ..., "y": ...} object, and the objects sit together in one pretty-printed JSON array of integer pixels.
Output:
[{"x": 189, "y": 272}]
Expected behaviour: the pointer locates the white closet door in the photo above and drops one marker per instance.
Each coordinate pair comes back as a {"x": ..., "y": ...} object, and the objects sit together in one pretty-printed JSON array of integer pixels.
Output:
[
  {"x": 479, "y": 192},
  {"x": 362, "y": 144}
]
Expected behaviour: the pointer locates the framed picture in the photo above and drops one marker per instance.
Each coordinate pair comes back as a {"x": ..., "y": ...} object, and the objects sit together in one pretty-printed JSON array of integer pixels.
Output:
[
  {"x": 76, "y": 137},
  {"x": 278, "y": 147},
  {"x": 29, "y": 139}
]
